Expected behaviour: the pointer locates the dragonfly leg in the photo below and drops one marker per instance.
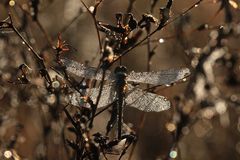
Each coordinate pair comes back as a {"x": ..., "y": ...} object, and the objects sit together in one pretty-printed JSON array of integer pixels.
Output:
[
  {"x": 113, "y": 118},
  {"x": 94, "y": 108}
]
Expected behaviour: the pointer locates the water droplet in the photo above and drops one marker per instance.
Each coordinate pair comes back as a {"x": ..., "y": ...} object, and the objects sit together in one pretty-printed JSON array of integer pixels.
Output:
[
  {"x": 233, "y": 4},
  {"x": 7, "y": 154},
  {"x": 208, "y": 114},
  {"x": 12, "y": 3},
  {"x": 221, "y": 107},
  {"x": 194, "y": 62},
  {"x": 23, "y": 43},
  {"x": 91, "y": 9},
  {"x": 171, "y": 127},
  {"x": 32, "y": 40},
  {"x": 167, "y": 85},
  {"x": 29, "y": 49},
  {"x": 214, "y": 34},
  {"x": 51, "y": 99},
  {"x": 196, "y": 50},
  {"x": 25, "y": 6},
  {"x": 234, "y": 98},
  {"x": 196, "y": 5},
  {"x": 161, "y": 40},
  {"x": 22, "y": 139},
  {"x": 55, "y": 84},
  {"x": 173, "y": 154}
]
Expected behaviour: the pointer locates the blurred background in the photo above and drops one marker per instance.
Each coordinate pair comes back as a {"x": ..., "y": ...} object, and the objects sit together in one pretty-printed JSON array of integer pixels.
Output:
[{"x": 24, "y": 110}]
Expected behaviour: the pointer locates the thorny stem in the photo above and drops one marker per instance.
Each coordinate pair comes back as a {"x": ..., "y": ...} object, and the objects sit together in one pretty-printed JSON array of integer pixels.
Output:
[{"x": 156, "y": 30}]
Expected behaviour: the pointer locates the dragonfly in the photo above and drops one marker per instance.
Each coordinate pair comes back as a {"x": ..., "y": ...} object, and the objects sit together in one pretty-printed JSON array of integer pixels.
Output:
[{"x": 120, "y": 92}]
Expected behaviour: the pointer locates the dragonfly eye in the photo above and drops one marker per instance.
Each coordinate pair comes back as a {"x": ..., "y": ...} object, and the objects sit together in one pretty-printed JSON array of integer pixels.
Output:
[{"x": 120, "y": 69}]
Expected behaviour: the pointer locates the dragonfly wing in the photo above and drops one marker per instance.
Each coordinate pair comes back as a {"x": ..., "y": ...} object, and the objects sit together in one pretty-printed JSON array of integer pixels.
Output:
[
  {"x": 146, "y": 101},
  {"x": 84, "y": 71},
  {"x": 107, "y": 96},
  {"x": 159, "y": 78}
]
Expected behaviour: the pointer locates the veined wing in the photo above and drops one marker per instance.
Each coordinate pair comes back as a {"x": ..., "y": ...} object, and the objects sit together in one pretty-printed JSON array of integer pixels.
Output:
[
  {"x": 160, "y": 77},
  {"x": 137, "y": 98},
  {"x": 107, "y": 96},
  {"x": 86, "y": 72},
  {"x": 146, "y": 101}
]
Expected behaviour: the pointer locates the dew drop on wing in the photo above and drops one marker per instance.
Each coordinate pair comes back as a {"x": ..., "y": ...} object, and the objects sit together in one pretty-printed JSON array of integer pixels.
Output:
[
  {"x": 83, "y": 71},
  {"x": 159, "y": 78},
  {"x": 107, "y": 96},
  {"x": 146, "y": 101}
]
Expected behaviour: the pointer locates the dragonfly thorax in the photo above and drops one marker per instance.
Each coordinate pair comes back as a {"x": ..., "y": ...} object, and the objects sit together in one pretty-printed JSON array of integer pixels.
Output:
[
  {"x": 120, "y": 69},
  {"x": 120, "y": 75}
]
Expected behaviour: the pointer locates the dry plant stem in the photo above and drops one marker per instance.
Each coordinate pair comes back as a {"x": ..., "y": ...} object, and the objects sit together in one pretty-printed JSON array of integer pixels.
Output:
[
  {"x": 43, "y": 125},
  {"x": 104, "y": 109},
  {"x": 64, "y": 141},
  {"x": 39, "y": 59},
  {"x": 95, "y": 23},
  {"x": 101, "y": 50},
  {"x": 49, "y": 40},
  {"x": 129, "y": 9},
  {"x": 142, "y": 118},
  {"x": 98, "y": 99},
  {"x": 65, "y": 27},
  {"x": 156, "y": 30},
  {"x": 143, "y": 115}
]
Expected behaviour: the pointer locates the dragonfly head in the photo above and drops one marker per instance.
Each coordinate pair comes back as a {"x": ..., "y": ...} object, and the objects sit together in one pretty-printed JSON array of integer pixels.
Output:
[{"x": 120, "y": 69}]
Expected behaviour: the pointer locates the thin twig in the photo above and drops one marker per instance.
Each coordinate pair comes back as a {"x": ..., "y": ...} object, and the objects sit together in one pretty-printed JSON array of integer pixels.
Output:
[
  {"x": 95, "y": 23},
  {"x": 156, "y": 30},
  {"x": 48, "y": 38},
  {"x": 39, "y": 59}
]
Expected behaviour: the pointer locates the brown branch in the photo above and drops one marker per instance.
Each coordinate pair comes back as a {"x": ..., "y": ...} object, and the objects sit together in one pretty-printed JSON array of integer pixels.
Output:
[
  {"x": 158, "y": 29},
  {"x": 93, "y": 14},
  {"x": 36, "y": 55}
]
